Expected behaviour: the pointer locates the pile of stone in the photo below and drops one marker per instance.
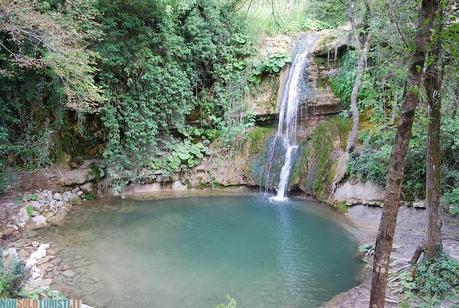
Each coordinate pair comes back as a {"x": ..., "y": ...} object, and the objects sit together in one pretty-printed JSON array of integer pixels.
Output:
[
  {"x": 35, "y": 273},
  {"x": 44, "y": 207}
]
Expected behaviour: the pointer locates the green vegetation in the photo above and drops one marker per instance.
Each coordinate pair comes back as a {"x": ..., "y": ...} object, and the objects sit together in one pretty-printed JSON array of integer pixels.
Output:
[
  {"x": 29, "y": 210},
  {"x": 452, "y": 198},
  {"x": 147, "y": 85},
  {"x": 342, "y": 83},
  {"x": 271, "y": 17},
  {"x": 271, "y": 66},
  {"x": 11, "y": 276},
  {"x": 257, "y": 138},
  {"x": 433, "y": 280},
  {"x": 315, "y": 166}
]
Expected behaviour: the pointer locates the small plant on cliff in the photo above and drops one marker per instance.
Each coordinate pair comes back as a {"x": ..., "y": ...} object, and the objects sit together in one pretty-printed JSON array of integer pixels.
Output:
[{"x": 270, "y": 66}]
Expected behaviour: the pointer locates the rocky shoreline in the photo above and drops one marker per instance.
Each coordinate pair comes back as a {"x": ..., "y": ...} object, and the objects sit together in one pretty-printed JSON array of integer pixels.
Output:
[
  {"x": 44, "y": 208},
  {"x": 33, "y": 211}
]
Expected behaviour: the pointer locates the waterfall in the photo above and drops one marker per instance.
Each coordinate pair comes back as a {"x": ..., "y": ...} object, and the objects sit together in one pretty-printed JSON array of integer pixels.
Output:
[{"x": 288, "y": 112}]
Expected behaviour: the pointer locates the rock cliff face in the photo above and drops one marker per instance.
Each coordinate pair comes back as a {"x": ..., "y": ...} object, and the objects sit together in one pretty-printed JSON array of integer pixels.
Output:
[{"x": 321, "y": 161}]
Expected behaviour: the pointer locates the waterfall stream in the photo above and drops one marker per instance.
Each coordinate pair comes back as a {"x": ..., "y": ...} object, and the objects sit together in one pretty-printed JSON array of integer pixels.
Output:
[{"x": 288, "y": 112}]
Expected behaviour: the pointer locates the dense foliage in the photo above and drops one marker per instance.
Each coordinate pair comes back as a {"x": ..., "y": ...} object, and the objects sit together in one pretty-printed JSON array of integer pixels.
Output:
[
  {"x": 433, "y": 281},
  {"x": 168, "y": 70},
  {"x": 379, "y": 98},
  {"x": 145, "y": 84}
]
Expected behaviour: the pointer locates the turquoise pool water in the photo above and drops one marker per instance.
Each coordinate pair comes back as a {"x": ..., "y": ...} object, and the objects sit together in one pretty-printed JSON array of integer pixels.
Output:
[{"x": 192, "y": 252}]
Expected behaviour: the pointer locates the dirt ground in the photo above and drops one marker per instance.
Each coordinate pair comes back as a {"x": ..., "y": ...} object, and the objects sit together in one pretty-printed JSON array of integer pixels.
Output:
[{"x": 411, "y": 224}]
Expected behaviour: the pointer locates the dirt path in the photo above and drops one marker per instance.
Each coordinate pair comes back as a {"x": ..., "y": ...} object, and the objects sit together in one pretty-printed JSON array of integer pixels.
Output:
[{"x": 411, "y": 224}]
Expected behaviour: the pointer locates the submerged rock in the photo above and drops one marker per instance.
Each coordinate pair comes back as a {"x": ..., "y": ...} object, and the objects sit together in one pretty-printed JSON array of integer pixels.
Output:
[{"x": 68, "y": 273}]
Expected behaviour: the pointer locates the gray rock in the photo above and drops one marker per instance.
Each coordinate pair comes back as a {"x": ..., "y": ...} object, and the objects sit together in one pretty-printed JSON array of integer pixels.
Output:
[
  {"x": 10, "y": 256},
  {"x": 75, "y": 200},
  {"x": 68, "y": 274},
  {"x": 87, "y": 188},
  {"x": 419, "y": 204},
  {"x": 37, "y": 222},
  {"x": 359, "y": 191},
  {"x": 23, "y": 217},
  {"x": 58, "y": 218}
]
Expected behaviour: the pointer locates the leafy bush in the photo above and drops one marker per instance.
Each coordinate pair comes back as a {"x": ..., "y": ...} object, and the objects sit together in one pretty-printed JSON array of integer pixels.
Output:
[
  {"x": 47, "y": 77},
  {"x": 185, "y": 155},
  {"x": 452, "y": 199},
  {"x": 169, "y": 62},
  {"x": 371, "y": 162},
  {"x": 11, "y": 277},
  {"x": 434, "y": 279},
  {"x": 343, "y": 82},
  {"x": 270, "y": 66}
]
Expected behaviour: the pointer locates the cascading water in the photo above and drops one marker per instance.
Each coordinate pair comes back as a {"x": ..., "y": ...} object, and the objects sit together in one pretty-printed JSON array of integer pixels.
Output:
[{"x": 291, "y": 96}]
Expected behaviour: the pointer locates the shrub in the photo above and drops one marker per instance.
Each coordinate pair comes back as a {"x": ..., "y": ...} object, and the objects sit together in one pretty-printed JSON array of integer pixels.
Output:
[
  {"x": 437, "y": 278},
  {"x": 452, "y": 199},
  {"x": 11, "y": 277},
  {"x": 270, "y": 66}
]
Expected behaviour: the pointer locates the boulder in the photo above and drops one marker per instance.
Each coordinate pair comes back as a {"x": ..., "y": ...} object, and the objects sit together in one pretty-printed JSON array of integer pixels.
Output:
[
  {"x": 58, "y": 218},
  {"x": 74, "y": 177},
  {"x": 37, "y": 205},
  {"x": 87, "y": 188},
  {"x": 74, "y": 200},
  {"x": 359, "y": 191},
  {"x": 37, "y": 222},
  {"x": 23, "y": 216}
]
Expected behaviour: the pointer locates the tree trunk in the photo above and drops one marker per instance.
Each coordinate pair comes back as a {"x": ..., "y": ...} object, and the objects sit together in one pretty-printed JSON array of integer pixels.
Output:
[
  {"x": 397, "y": 163},
  {"x": 433, "y": 84},
  {"x": 355, "y": 93},
  {"x": 364, "y": 42}
]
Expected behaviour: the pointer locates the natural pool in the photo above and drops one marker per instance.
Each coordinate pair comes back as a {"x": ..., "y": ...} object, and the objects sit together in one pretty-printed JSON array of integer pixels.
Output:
[{"x": 191, "y": 252}]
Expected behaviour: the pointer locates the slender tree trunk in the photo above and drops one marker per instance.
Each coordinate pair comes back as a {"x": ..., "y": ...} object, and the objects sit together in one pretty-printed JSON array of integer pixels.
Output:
[
  {"x": 397, "y": 163},
  {"x": 355, "y": 93},
  {"x": 364, "y": 42},
  {"x": 433, "y": 84}
]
